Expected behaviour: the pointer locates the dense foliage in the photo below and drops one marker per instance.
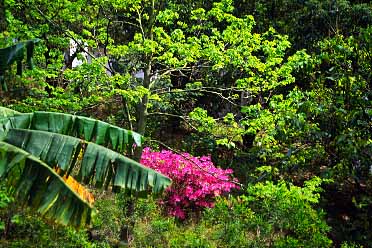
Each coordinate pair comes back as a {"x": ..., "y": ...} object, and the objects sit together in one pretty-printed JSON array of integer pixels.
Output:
[
  {"x": 276, "y": 215},
  {"x": 277, "y": 93}
]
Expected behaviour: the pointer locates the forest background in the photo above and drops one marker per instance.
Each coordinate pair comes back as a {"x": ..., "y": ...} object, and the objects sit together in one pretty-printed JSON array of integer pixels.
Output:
[{"x": 278, "y": 91}]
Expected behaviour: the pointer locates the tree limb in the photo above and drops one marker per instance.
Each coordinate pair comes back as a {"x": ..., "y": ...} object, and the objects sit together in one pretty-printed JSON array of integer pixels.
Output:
[
  {"x": 219, "y": 94},
  {"x": 177, "y": 116},
  {"x": 198, "y": 166}
]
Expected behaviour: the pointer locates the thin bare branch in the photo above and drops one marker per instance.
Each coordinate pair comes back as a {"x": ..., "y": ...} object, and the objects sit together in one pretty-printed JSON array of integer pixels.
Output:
[
  {"x": 219, "y": 94},
  {"x": 198, "y": 166},
  {"x": 235, "y": 89},
  {"x": 129, "y": 23},
  {"x": 140, "y": 23},
  {"x": 176, "y": 116}
]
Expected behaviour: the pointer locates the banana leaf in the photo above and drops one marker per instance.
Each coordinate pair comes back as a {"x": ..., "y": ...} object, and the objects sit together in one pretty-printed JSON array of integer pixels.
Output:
[
  {"x": 98, "y": 165},
  {"x": 39, "y": 186},
  {"x": 89, "y": 129},
  {"x": 14, "y": 53},
  {"x": 40, "y": 151},
  {"x": 5, "y": 112}
]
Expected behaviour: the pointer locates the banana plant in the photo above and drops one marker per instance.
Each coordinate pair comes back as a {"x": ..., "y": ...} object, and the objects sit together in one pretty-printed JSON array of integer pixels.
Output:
[
  {"x": 9, "y": 55},
  {"x": 46, "y": 158}
]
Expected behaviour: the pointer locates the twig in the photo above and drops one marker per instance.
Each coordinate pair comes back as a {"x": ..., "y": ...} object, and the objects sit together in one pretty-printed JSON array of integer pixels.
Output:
[
  {"x": 177, "y": 116},
  {"x": 199, "y": 167},
  {"x": 126, "y": 22},
  {"x": 236, "y": 89},
  {"x": 140, "y": 24},
  {"x": 127, "y": 113},
  {"x": 219, "y": 94}
]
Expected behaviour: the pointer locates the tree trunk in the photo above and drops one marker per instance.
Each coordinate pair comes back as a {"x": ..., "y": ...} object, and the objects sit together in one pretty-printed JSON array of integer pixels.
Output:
[{"x": 142, "y": 109}]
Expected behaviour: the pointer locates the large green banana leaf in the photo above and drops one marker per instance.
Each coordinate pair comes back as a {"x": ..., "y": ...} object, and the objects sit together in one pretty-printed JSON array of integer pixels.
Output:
[
  {"x": 99, "y": 165},
  {"x": 89, "y": 129},
  {"x": 5, "y": 112},
  {"x": 14, "y": 53},
  {"x": 38, "y": 185},
  {"x": 44, "y": 139}
]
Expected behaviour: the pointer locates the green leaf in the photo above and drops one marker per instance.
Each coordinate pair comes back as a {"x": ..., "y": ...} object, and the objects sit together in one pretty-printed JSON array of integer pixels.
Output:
[
  {"x": 32, "y": 145},
  {"x": 99, "y": 166},
  {"x": 89, "y": 129},
  {"x": 5, "y": 112},
  {"x": 41, "y": 187},
  {"x": 14, "y": 53}
]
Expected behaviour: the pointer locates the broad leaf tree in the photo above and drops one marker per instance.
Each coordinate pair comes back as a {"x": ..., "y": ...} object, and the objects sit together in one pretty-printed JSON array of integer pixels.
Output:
[{"x": 158, "y": 53}]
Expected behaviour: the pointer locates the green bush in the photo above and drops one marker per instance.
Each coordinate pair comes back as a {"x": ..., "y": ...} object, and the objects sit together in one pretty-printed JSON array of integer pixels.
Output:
[
  {"x": 5, "y": 201},
  {"x": 268, "y": 215},
  {"x": 109, "y": 219},
  {"x": 30, "y": 230},
  {"x": 350, "y": 245},
  {"x": 23, "y": 228},
  {"x": 153, "y": 229},
  {"x": 278, "y": 215}
]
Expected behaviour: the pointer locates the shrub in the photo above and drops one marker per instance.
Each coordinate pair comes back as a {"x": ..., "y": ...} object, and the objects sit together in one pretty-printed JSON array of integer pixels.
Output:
[
  {"x": 5, "y": 201},
  {"x": 196, "y": 181},
  {"x": 31, "y": 230},
  {"x": 267, "y": 215},
  {"x": 274, "y": 215},
  {"x": 153, "y": 229}
]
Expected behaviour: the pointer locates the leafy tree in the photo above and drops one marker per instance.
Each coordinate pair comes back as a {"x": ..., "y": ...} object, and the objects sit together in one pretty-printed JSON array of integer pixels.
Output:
[
  {"x": 306, "y": 22},
  {"x": 322, "y": 130},
  {"x": 344, "y": 84},
  {"x": 161, "y": 53}
]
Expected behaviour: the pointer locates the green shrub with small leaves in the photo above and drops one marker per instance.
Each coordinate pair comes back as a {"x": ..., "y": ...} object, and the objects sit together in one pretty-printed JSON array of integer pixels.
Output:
[
  {"x": 274, "y": 215},
  {"x": 29, "y": 230},
  {"x": 268, "y": 215}
]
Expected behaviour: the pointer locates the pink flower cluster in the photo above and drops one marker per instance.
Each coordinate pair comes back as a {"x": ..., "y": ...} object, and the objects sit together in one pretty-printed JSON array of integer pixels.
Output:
[{"x": 196, "y": 181}]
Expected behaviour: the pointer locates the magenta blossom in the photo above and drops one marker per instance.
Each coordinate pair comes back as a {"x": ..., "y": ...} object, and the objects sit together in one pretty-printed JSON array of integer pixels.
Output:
[{"x": 196, "y": 181}]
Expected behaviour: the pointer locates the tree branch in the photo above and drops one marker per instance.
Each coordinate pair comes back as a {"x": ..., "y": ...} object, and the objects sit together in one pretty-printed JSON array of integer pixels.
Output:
[
  {"x": 219, "y": 94},
  {"x": 127, "y": 113},
  {"x": 177, "y": 116},
  {"x": 198, "y": 166},
  {"x": 140, "y": 24},
  {"x": 167, "y": 89}
]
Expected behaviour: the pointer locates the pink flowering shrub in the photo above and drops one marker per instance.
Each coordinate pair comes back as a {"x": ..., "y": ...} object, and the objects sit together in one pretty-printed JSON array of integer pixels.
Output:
[{"x": 195, "y": 185}]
